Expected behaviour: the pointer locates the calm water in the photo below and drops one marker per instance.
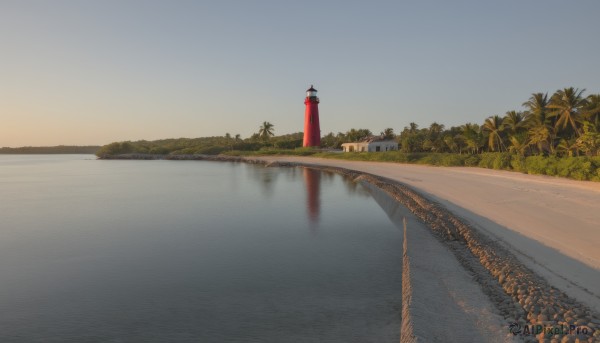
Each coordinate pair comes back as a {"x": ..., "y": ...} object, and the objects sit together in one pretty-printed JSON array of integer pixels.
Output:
[{"x": 128, "y": 251}]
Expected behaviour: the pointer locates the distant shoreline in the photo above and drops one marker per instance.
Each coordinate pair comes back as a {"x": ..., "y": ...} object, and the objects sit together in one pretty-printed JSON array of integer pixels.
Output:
[
  {"x": 194, "y": 157},
  {"x": 59, "y": 149}
]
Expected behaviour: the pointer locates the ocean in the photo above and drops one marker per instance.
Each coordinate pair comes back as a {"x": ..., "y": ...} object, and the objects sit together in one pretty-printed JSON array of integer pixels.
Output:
[{"x": 192, "y": 251}]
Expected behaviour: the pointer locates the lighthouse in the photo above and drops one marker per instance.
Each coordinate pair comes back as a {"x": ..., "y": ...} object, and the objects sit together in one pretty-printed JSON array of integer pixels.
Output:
[{"x": 312, "y": 131}]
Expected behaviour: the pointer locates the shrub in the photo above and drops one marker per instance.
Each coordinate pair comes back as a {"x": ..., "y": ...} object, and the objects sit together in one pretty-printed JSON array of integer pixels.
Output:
[
  {"x": 290, "y": 144},
  {"x": 541, "y": 165},
  {"x": 453, "y": 160},
  {"x": 115, "y": 148},
  {"x": 517, "y": 163},
  {"x": 502, "y": 161},
  {"x": 400, "y": 157},
  {"x": 487, "y": 160},
  {"x": 211, "y": 150},
  {"x": 472, "y": 160},
  {"x": 247, "y": 146},
  {"x": 578, "y": 168},
  {"x": 433, "y": 159},
  {"x": 551, "y": 165},
  {"x": 157, "y": 150},
  {"x": 536, "y": 164}
]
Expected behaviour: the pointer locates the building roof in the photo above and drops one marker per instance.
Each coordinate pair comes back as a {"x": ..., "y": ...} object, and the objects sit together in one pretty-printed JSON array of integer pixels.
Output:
[
  {"x": 375, "y": 139},
  {"x": 311, "y": 89},
  {"x": 372, "y": 139}
]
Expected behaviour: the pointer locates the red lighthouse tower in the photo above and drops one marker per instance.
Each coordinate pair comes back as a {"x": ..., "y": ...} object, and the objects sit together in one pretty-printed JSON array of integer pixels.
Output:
[{"x": 312, "y": 131}]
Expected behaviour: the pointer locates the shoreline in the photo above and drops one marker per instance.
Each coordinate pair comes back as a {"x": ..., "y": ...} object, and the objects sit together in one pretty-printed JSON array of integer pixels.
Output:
[{"x": 520, "y": 294}]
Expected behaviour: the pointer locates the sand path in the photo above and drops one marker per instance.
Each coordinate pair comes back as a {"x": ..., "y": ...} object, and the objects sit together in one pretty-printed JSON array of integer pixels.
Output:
[{"x": 551, "y": 224}]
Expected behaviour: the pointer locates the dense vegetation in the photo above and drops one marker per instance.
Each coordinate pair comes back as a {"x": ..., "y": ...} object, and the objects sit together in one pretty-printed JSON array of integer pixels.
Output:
[
  {"x": 564, "y": 124},
  {"x": 61, "y": 149},
  {"x": 551, "y": 135},
  {"x": 207, "y": 145}
]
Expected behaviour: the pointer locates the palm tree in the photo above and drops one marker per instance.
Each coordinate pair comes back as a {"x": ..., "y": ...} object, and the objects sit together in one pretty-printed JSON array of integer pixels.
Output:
[
  {"x": 568, "y": 147},
  {"x": 266, "y": 130},
  {"x": 435, "y": 129},
  {"x": 514, "y": 121},
  {"x": 451, "y": 143},
  {"x": 566, "y": 105},
  {"x": 471, "y": 134},
  {"x": 434, "y": 140},
  {"x": 238, "y": 137},
  {"x": 589, "y": 142},
  {"x": 591, "y": 112},
  {"x": 519, "y": 143},
  {"x": 493, "y": 125},
  {"x": 540, "y": 137},
  {"x": 537, "y": 107},
  {"x": 228, "y": 140},
  {"x": 356, "y": 135},
  {"x": 388, "y": 133},
  {"x": 541, "y": 128},
  {"x": 412, "y": 127}
]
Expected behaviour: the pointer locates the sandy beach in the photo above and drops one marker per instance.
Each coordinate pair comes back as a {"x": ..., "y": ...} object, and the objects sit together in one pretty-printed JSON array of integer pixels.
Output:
[{"x": 551, "y": 224}]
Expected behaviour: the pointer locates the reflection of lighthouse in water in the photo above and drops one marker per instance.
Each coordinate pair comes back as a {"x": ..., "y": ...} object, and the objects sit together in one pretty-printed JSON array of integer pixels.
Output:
[{"x": 312, "y": 180}]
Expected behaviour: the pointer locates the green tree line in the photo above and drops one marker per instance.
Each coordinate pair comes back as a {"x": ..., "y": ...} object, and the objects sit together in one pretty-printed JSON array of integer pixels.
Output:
[
  {"x": 557, "y": 135},
  {"x": 567, "y": 123},
  {"x": 261, "y": 140},
  {"x": 564, "y": 124}
]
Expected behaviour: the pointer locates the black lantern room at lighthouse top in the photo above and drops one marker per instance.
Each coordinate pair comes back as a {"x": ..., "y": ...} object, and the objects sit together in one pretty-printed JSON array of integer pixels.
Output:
[{"x": 311, "y": 92}]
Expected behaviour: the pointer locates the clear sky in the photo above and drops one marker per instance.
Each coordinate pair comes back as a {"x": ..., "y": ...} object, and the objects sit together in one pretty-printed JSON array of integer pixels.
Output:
[{"x": 93, "y": 72}]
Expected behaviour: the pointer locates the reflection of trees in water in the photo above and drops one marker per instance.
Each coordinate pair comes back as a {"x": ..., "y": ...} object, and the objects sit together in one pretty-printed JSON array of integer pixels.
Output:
[
  {"x": 290, "y": 174},
  {"x": 234, "y": 178},
  {"x": 328, "y": 177},
  {"x": 266, "y": 178},
  {"x": 355, "y": 188}
]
